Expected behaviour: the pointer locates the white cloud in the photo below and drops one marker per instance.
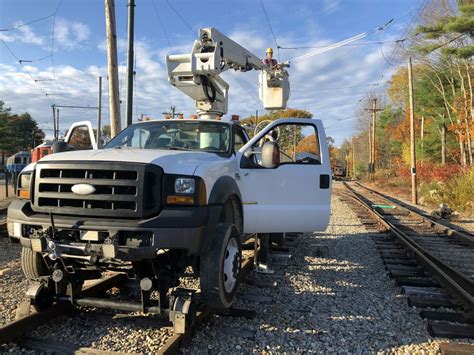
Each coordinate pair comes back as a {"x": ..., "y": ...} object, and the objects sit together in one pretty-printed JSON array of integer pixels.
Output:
[
  {"x": 330, "y": 6},
  {"x": 339, "y": 69},
  {"x": 71, "y": 34},
  {"x": 23, "y": 34}
]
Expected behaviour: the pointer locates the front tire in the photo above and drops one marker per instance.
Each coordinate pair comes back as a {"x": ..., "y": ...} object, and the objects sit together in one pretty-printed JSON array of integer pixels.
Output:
[
  {"x": 33, "y": 265},
  {"x": 220, "y": 267}
]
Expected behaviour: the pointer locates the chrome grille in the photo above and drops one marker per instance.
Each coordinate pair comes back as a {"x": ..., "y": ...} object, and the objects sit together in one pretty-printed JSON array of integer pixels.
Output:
[{"x": 124, "y": 190}]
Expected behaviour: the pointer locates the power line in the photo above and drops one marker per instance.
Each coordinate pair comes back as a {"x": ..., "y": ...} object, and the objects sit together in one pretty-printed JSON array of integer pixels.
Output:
[
  {"x": 271, "y": 28},
  {"x": 398, "y": 46},
  {"x": 52, "y": 45},
  {"x": 35, "y": 60},
  {"x": 246, "y": 86},
  {"x": 182, "y": 18},
  {"x": 347, "y": 45},
  {"x": 161, "y": 24},
  {"x": 25, "y": 24},
  {"x": 26, "y": 71},
  {"x": 343, "y": 87},
  {"x": 341, "y": 43}
]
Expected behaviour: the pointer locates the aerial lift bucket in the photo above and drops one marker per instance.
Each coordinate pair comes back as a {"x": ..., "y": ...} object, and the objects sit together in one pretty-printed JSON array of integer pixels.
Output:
[{"x": 274, "y": 90}]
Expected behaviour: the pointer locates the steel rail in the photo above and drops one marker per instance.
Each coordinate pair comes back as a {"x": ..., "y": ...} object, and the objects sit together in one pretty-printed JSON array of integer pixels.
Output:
[
  {"x": 16, "y": 329},
  {"x": 461, "y": 236},
  {"x": 173, "y": 344},
  {"x": 451, "y": 279}
]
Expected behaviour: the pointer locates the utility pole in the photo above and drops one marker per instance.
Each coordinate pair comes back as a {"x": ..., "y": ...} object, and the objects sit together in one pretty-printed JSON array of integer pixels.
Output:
[
  {"x": 422, "y": 133},
  {"x": 172, "y": 112},
  {"x": 443, "y": 144},
  {"x": 370, "y": 150},
  {"x": 57, "y": 124},
  {"x": 256, "y": 118},
  {"x": 114, "y": 99},
  {"x": 414, "y": 195},
  {"x": 374, "y": 111},
  {"x": 55, "y": 136},
  {"x": 99, "y": 113},
  {"x": 353, "y": 157},
  {"x": 130, "y": 70},
  {"x": 347, "y": 165}
]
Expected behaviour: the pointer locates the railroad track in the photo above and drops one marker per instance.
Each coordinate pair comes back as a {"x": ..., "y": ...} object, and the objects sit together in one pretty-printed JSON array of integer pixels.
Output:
[
  {"x": 15, "y": 331},
  {"x": 433, "y": 263}
]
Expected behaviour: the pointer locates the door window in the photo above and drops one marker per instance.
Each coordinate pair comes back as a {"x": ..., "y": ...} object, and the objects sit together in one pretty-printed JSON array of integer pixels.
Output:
[
  {"x": 297, "y": 144},
  {"x": 239, "y": 139},
  {"x": 80, "y": 138}
]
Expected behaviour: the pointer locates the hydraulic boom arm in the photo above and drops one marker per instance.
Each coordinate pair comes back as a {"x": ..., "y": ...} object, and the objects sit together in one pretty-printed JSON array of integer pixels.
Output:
[{"x": 198, "y": 74}]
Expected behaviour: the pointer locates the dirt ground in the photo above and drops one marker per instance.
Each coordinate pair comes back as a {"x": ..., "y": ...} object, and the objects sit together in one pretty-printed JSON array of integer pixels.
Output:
[{"x": 4, "y": 201}]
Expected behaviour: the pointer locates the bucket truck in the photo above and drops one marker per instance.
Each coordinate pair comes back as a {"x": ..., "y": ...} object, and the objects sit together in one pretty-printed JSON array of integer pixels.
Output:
[{"x": 171, "y": 198}]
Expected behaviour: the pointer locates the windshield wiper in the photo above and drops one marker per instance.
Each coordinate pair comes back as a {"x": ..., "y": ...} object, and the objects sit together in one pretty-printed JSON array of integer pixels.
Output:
[{"x": 177, "y": 148}]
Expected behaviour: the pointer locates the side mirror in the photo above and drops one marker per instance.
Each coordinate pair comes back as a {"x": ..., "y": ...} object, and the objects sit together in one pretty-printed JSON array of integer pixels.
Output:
[
  {"x": 59, "y": 147},
  {"x": 270, "y": 155}
]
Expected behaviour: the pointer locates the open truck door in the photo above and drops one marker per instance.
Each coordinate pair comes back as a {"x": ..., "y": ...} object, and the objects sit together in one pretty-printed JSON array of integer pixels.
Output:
[
  {"x": 285, "y": 178},
  {"x": 81, "y": 136}
]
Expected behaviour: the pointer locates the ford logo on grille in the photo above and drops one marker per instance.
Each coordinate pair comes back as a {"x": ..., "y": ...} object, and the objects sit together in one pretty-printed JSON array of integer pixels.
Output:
[{"x": 83, "y": 189}]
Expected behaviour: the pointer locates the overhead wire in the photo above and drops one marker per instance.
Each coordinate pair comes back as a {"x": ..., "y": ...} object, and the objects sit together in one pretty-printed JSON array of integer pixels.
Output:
[
  {"x": 181, "y": 17},
  {"x": 13, "y": 28},
  {"x": 26, "y": 71},
  {"x": 348, "y": 45},
  {"x": 271, "y": 28},
  {"x": 343, "y": 88},
  {"x": 241, "y": 84},
  {"x": 246, "y": 86},
  {"x": 341, "y": 43},
  {"x": 35, "y": 60},
  {"x": 161, "y": 25},
  {"x": 52, "y": 47},
  {"x": 398, "y": 46}
]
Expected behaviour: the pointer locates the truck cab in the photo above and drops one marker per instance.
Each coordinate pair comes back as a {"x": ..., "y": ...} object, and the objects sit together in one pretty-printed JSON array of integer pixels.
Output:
[{"x": 167, "y": 194}]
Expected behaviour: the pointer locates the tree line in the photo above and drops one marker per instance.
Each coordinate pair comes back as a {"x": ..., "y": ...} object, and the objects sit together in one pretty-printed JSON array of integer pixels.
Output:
[
  {"x": 17, "y": 131},
  {"x": 442, "y": 49}
]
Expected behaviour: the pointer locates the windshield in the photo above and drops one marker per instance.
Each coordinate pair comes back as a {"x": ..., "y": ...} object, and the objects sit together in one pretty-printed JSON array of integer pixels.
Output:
[{"x": 180, "y": 135}]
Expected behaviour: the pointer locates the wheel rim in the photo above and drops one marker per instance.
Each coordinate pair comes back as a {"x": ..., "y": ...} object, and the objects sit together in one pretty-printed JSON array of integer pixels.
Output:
[{"x": 231, "y": 265}]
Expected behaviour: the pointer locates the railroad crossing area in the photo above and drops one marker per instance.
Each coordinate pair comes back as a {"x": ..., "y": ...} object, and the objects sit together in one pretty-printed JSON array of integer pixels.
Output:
[{"x": 333, "y": 291}]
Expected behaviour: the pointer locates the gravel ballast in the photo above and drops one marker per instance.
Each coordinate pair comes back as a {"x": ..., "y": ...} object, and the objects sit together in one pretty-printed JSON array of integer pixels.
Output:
[
  {"x": 333, "y": 296},
  {"x": 12, "y": 282}
]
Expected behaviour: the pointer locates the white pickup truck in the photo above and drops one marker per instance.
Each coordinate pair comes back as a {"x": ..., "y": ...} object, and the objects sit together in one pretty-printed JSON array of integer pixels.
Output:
[{"x": 165, "y": 195}]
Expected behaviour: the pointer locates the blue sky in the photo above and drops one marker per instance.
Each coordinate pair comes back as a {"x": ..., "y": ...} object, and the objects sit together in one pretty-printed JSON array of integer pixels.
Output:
[{"x": 323, "y": 84}]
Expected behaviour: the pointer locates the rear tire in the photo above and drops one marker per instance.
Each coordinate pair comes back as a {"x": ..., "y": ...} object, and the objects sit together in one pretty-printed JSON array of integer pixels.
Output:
[
  {"x": 33, "y": 265},
  {"x": 220, "y": 267}
]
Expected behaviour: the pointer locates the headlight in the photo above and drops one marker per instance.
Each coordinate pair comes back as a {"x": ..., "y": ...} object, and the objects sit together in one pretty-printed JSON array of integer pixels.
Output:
[
  {"x": 25, "y": 180},
  {"x": 184, "y": 186},
  {"x": 23, "y": 185}
]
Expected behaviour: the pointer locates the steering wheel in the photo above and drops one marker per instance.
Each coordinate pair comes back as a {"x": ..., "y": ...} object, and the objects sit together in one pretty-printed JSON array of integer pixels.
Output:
[
  {"x": 209, "y": 148},
  {"x": 268, "y": 137},
  {"x": 308, "y": 160}
]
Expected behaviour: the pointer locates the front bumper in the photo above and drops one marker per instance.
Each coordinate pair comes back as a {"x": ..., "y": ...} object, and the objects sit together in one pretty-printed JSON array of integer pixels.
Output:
[{"x": 183, "y": 228}]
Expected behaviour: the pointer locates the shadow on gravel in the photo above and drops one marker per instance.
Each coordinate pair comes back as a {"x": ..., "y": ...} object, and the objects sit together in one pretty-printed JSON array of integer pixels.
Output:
[{"x": 334, "y": 295}]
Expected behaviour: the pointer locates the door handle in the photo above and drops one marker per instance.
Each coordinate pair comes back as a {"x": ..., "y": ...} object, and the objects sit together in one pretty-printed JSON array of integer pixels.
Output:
[
  {"x": 237, "y": 175},
  {"x": 324, "y": 181}
]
